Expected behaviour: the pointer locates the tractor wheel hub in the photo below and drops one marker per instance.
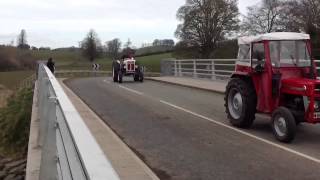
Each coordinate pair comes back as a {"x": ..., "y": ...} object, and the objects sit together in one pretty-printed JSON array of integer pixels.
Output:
[
  {"x": 235, "y": 104},
  {"x": 280, "y": 126}
]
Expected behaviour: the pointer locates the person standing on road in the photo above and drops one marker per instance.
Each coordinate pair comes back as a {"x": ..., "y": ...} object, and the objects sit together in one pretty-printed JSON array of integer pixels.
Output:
[{"x": 50, "y": 65}]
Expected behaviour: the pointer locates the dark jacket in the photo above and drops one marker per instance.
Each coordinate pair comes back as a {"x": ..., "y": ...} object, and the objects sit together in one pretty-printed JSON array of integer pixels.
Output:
[{"x": 50, "y": 65}]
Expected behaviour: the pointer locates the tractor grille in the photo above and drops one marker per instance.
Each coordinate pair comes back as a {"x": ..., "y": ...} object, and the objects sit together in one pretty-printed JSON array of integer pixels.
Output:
[
  {"x": 130, "y": 66},
  {"x": 317, "y": 115}
]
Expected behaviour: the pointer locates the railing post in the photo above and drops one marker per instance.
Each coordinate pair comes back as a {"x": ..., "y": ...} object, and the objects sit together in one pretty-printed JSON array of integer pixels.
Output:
[
  {"x": 194, "y": 69},
  {"x": 48, "y": 167},
  {"x": 213, "y": 75},
  {"x": 175, "y": 68},
  {"x": 180, "y": 70}
]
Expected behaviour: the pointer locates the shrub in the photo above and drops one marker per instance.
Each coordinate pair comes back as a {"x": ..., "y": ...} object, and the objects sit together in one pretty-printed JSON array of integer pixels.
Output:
[
  {"x": 12, "y": 58},
  {"x": 15, "y": 122}
]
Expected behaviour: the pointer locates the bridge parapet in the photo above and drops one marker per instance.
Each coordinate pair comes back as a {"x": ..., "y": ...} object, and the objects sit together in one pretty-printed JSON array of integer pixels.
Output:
[
  {"x": 68, "y": 149},
  {"x": 216, "y": 69},
  {"x": 199, "y": 68}
]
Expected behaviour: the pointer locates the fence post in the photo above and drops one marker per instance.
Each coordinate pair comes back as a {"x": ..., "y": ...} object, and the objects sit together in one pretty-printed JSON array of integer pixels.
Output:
[
  {"x": 194, "y": 69},
  {"x": 213, "y": 75},
  {"x": 179, "y": 66},
  {"x": 175, "y": 68}
]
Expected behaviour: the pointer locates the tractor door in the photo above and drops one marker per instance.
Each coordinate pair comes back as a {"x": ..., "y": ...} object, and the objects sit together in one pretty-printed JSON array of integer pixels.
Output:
[{"x": 260, "y": 63}]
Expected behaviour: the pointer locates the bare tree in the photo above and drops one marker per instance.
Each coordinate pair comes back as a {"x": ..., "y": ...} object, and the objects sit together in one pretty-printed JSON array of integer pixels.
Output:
[
  {"x": 264, "y": 17},
  {"x": 304, "y": 13},
  {"x": 305, "y": 16},
  {"x": 113, "y": 48},
  {"x": 128, "y": 44},
  {"x": 206, "y": 22},
  {"x": 91, "y": 46},
  {"x": 22, "y": 40}
]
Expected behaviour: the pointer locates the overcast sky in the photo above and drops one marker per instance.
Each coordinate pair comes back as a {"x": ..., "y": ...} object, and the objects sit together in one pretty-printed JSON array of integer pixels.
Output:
[{"x": 62, "y": 23}]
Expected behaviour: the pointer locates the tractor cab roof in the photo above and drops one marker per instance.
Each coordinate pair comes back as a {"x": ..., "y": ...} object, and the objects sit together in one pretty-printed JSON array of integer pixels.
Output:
[{"x": 276, "y": 36}]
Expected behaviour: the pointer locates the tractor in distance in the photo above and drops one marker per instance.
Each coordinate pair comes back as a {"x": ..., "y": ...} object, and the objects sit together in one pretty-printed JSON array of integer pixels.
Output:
[
  {"x": 276, "y": 76},
  {"x": 127, "y": 66}
]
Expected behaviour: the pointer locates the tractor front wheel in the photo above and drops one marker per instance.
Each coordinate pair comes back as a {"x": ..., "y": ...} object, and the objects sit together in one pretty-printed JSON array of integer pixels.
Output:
[
  {"x": 283, "y": 124},
  {"x": 120, "y": 76},
  {"x": 240, "y": 103}
]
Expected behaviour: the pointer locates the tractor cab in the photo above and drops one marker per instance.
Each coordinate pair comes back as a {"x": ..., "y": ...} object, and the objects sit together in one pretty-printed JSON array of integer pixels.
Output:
[{"x": 274, "y": 75}]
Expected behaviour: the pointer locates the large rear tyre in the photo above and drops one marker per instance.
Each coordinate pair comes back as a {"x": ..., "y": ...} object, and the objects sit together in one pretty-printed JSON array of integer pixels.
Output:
[
  {"x": 141, "y": 77},
  {"x": 283, "y": 124},
  {"x": 240, "y": 103},
  {"x": 136, "y": 77}
]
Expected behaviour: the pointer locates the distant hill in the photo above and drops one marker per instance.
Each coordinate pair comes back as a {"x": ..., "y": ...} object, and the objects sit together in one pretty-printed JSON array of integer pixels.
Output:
[{"x": 153, "y": 50}]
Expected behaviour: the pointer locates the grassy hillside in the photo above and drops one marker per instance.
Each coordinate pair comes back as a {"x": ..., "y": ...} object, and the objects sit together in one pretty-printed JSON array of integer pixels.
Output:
[
  {"x": 153, "y": 62},
  {"x": 153, "y": 50},
  {"x": 12, "y": 79},
  {"x": 72, "y": 60}
]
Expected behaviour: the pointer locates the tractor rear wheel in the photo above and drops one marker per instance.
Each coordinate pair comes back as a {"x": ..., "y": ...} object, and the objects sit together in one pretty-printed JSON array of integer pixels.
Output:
[
  {"x": 114, "y": 74},
  {"x": 136, "y": 77},
  {"x": 141, "y": 77},
  {"x": 240, "y": 103},
  {"x": 283, "y": 124}
]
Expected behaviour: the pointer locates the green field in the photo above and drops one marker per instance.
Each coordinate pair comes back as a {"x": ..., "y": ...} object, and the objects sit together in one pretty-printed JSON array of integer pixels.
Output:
[
  {"x": 67, "y": 60},
  {"x": 13, "y": 78},
  {"x": 153, "y": 62}
]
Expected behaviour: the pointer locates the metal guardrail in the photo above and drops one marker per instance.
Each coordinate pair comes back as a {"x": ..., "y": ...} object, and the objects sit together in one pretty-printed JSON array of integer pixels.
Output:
[
  {"x": 81, "y": 73},
  {"x": 203, "y": 68},
  {"x": 69, "y": 151},
  {"x": 216, "y": 69},
  {"x": 90, "y": 73}
]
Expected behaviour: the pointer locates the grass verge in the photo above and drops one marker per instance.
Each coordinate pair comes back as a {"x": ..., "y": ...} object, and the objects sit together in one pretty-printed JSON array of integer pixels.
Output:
[
  {"x": 12, "y": 79},
  {"x": 15, "y": 122}
]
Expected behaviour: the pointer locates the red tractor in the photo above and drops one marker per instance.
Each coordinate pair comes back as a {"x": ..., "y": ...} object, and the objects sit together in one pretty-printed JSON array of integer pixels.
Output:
[
  {"x": 127, "y": 67},
  {"x": 274, "y": 75}
]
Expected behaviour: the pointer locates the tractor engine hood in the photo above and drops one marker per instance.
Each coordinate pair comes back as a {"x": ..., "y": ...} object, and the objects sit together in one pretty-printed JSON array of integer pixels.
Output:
[{"x": 300, "y": 86}]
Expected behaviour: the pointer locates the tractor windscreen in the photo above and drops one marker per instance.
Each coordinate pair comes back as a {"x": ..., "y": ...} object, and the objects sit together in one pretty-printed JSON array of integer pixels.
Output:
[
  {"x": 289, "y": 54},
  {"x": 244, "y": 53}
]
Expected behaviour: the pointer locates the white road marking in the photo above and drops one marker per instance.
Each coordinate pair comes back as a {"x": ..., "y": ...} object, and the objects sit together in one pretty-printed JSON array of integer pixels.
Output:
[
  {"x": 131, "y": 90},
  {"x": 106, "y": 81},
  {"x": 245, "y": 133}
]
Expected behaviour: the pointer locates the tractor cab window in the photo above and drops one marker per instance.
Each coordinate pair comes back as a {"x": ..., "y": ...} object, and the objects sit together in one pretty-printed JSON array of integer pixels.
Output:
[
  {"x": 244, "y": 53},
  {"x": 289, "y": 54},
  {"x": 258, "y": 56}
]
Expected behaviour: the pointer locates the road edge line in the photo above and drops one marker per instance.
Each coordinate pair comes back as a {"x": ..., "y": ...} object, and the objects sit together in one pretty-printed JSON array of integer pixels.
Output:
[
  {"x": 316, "y": 160},
  {"x": 184, "y": 85}
]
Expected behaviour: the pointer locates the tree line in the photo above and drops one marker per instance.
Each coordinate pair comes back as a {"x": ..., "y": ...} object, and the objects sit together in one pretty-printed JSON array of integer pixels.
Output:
[{"x": 205, "y": 23}]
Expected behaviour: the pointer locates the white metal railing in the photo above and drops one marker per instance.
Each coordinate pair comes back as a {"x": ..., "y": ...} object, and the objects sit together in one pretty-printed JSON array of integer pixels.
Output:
[
  {"x": 69, "y": 151},
  {"x": 204, "y": 68},
  {"x": 91, "y": 73},
  {"x": 207, "y": 68}
]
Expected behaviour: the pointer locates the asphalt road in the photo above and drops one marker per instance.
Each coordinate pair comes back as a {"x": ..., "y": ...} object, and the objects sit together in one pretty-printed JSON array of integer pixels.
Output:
[{"x": 183, "y": 133}]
